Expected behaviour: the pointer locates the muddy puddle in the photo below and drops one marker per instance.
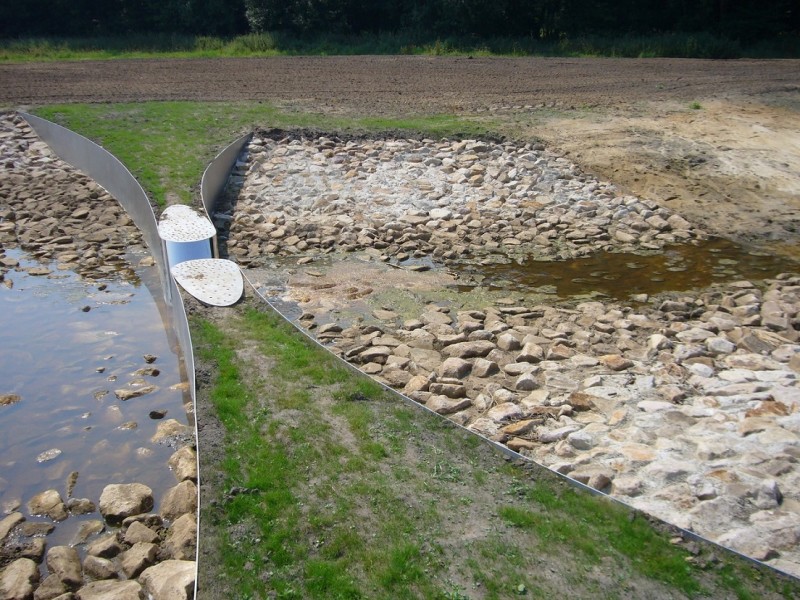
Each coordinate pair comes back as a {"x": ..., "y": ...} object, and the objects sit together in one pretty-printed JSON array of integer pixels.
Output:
[
  {"x": 66, "y": 346},
  {"x": 622, "y": 276}
]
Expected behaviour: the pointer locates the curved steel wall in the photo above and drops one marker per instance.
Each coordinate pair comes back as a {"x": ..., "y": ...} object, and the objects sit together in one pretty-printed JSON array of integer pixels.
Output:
[
  {"x": 109, "y": 172},
  {"x": 217, "y": 173}
]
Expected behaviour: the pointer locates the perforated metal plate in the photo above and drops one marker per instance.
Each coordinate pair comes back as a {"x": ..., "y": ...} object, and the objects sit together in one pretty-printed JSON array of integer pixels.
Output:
[
  {"x": 211, "y": 280},
  {"x": 181, "y": 223}
]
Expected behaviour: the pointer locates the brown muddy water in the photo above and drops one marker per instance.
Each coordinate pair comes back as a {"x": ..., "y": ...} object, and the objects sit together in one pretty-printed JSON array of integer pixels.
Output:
[
  {"x": 621, "y": 276},
  {"x": 65, "y": 362}
]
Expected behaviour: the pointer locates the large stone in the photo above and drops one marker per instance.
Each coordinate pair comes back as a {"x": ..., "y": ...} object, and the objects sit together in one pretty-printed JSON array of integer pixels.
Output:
[
  {"x": 445, "y": 406},
  {"x": 170, "y": 580},
  {"x": 120, "y": 500},
  {"x": 48, "y": 504},
  {"x": 456, "y": 368},
  {"x": 179, "y": 500},
  {"x": 110, "y": 590},
  {"x": 138, "y": 558},
  {"x": 172, "y": 429},
  {"x": 507, "y": 411},
  {"x": 96, "y": 567},
  {"x": 531, "y": 353},
  {"x": 184, "y": 464},
  {"x": 469, "y": 349},
  {"x": 9, "y": 522},
  {"x": 104, "y": 547},
  {"x": 484, "y": 368},
  {"x": 139, "y": 532},
  {"x": 50, "y": 587},
  {"x": 64, "y": 562},
  {"x": 17, "y": 580},
  {"x": 181, "y": 541}
]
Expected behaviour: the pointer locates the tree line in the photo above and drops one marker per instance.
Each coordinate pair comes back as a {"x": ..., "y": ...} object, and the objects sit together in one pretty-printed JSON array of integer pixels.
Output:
[{"x": 743, "y": 20}]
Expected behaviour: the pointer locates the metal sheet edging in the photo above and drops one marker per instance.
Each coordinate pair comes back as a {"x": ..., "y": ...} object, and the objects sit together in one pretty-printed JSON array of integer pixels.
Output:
[
  {"x": 227, "y": 159},
  {"x": 109, "y": 172}
]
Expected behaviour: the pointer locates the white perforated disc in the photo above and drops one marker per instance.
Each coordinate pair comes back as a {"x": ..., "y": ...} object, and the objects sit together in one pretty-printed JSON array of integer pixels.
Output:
[
  {"x": 181, "y": 223},
  {"x": 211, "y": 280}
]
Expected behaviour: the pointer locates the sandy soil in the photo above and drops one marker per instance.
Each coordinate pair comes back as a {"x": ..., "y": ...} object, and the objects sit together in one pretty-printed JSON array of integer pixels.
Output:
[{"x": 732, "y": 165}]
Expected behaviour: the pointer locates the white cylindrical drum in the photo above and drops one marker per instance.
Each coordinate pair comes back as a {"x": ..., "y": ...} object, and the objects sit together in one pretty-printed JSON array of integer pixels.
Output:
[{"x": 186, "y": 233}]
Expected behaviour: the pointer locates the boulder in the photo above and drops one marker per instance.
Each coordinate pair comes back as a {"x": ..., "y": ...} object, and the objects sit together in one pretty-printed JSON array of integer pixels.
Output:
[
  {"x": 110, "y": 590},
  {"x": 48, "y": 504},
  {"x": 184, "y": 464},
  {"x": 170, "y": 580},
  {"x": 99, "y": 568},
  {"x": 181, "y": 541},
  {"x": 120, "y": 500},
  {"x": 64, "y": 562},
  {"x": 456, "y": 368},
  {"x": 17, "y": 580},
  {"x": 469, "y": 349},
  {"x": 179, "y": 500},
  {"x": 138, "y": 558}
]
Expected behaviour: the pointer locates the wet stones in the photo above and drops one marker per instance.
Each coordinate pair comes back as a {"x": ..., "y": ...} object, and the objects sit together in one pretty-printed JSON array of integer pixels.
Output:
[{"x": 120, "y": 500}]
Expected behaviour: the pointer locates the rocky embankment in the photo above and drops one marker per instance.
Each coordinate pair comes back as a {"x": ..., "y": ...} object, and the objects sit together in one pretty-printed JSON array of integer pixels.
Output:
[
  {"x": 682, "y": 405},
  {"x": 68, "y": 222},
  {"x": 445, "y": 200}
]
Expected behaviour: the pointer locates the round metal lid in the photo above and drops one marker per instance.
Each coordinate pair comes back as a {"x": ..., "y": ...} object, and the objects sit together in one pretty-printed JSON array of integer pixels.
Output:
[
  {"x": 211, "y": 280},
  {"x": 181, "y": 223}
]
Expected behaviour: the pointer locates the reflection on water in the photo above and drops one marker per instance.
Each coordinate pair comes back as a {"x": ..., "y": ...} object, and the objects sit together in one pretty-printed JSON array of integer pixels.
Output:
[
  {"x": 65, "y": 362},
  {"x": 623, "y": 275}
]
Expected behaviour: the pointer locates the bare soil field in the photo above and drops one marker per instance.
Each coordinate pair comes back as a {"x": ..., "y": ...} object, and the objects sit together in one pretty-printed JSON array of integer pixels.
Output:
[{"x": 717, "y": 141}]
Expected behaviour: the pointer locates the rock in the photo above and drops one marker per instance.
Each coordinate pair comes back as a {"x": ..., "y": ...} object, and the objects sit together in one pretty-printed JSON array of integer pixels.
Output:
[
  {"x": 651, "y": 406},
  {"x": 86, "y": 530},
  {"x": 506, "y": 411},
  {"x": 51, "y": 587},
  {"x": 137, "y": 559},
  {"x": 531, "y": 353},
  {"x": 451, "y": 390},
  {"x": 520, "y": 427},
  {"x": 416, "y": 384},
  {"x": 172, "y": 429},
  {"x": 170, "y": 580},
  {"x": 445, "y": 406},
  {"x": 99, "y": 568},
  {"x": 64, "y": 562},
  {"x": 456, "y": 368},
  {"x": 581, "y": 401},
  {"x": 615, "y": 362},
  {"x": 520, "y": 444},
  {"x": 9, "y": 399},
  {"x": 120, "y": 500},
  {"x": 484, "y": 368},
  {"x": 110, "y": 590},
  {"x": 17, "y": 580},
  {"x": 184, "y": 464},
  {"x": 508, "y": 342},
  {"x": 595, "y": 477},
  {"x": 581, "y": 440},
  {"x": 179, "y": 500},
  {"x": 81, "y": 506},
  {"x": 526, "y": 383},
  {"x": 48, "y": 504},
  {"x": 554, "y": 435},
  {"x": 469, "y": 349},
  {"x": 104, "y": 547},
  {"x": 8, "y": 523},
  {"x": 130, "y": 393},
  {"x": 181, "y": 540},
  {"x": 138, "y": 532}
]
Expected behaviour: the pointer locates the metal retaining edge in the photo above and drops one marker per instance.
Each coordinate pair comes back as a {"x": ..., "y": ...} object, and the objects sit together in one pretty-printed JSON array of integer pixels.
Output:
[
  {"x": 107, "y": 170},
  {"x": 227, "y": 159},
  {"x": 216, "y": 176}
]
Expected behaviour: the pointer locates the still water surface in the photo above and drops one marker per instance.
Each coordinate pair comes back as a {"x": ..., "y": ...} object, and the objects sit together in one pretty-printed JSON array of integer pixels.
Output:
[{"x": 65, "y": 363}]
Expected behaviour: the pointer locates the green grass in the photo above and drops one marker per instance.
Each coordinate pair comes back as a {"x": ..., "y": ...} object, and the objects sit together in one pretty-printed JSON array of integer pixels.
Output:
[
  {"x": 695, "y": 105},
  {"x": 167, "y": 145},
  {"x": 675, "y": 45}
]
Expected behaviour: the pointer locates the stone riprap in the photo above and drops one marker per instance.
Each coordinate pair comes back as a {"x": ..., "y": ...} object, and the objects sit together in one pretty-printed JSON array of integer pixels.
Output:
[
  {"x": 448, "y": 200},
  {"x": 68, "y": 222},
  {"x": 683, "y": 405}
]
